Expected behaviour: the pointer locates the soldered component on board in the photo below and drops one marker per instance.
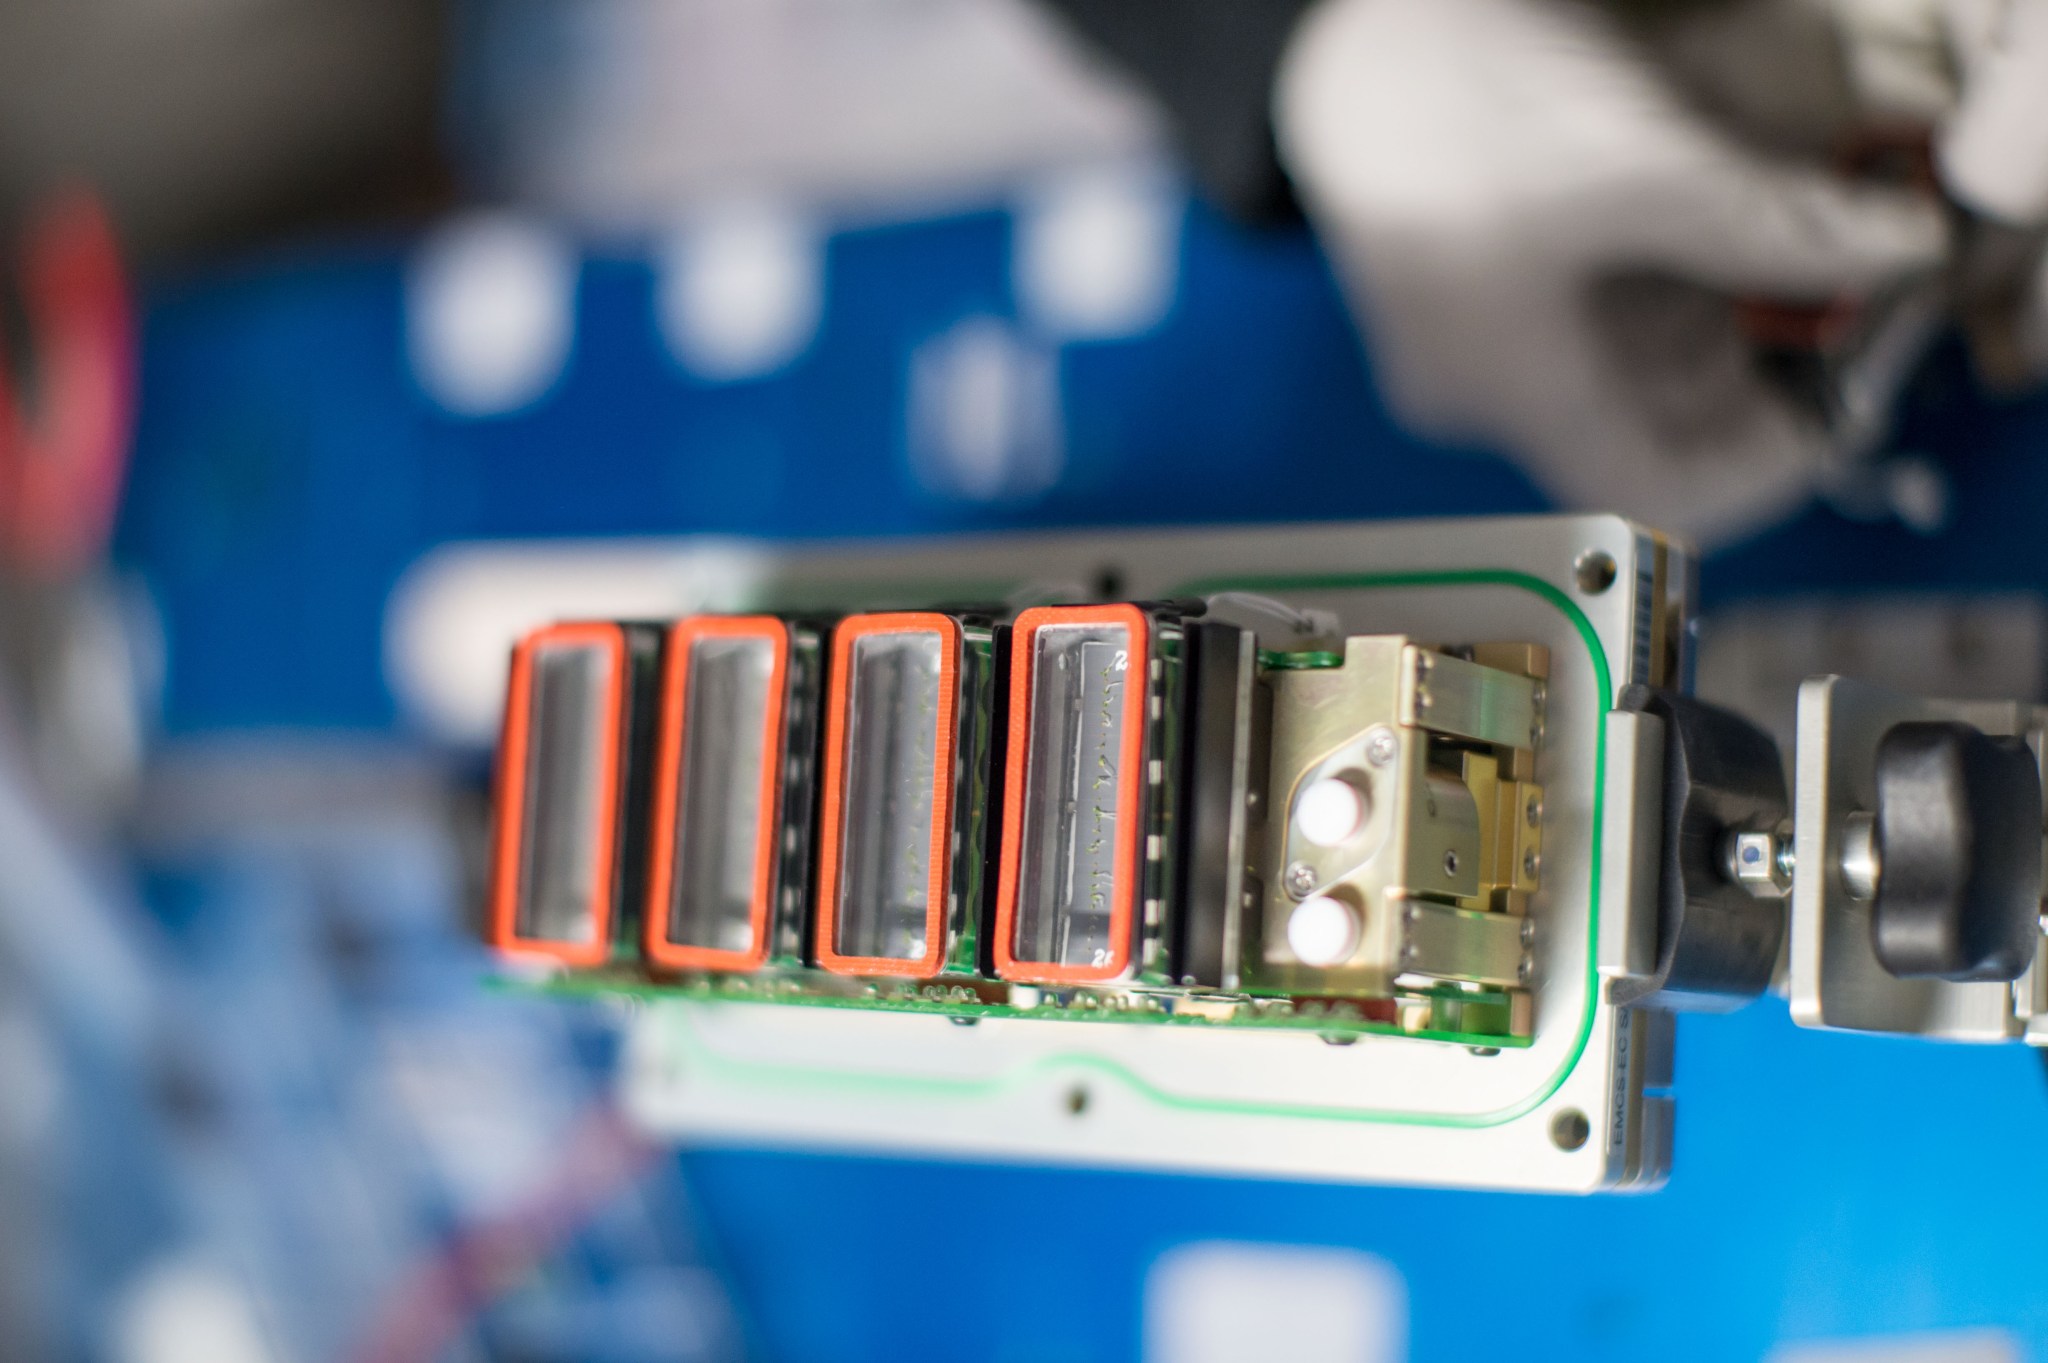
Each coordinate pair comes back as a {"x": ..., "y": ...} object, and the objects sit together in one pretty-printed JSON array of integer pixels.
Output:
[
  {"x": 1412, "y": 832},
  {"x": 729, "y": 828},
  {"x": 1165, "y": 821},
  {"x": 904, "y": 786},
  {"x": 563, "y": 863},
  {"x": 1082, "y": 884}
]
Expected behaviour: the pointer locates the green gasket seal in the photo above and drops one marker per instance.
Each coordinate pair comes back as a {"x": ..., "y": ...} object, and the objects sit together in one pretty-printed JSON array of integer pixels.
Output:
[{"x": 1066, "y": 1062}]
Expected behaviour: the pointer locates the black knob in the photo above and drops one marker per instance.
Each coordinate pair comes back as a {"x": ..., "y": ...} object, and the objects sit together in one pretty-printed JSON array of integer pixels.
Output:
[
  {"x": 1959, "y": 853},
  {"x": 1716, "y": 942}
]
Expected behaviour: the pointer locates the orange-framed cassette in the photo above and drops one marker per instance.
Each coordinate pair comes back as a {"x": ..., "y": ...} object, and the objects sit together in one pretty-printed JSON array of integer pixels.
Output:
[
  {"x": 565, "y": 863},
  {"x": 729, "y": 834},
  {"x": 1089, "y": 782},
  {"x": 903, "y": 789}
]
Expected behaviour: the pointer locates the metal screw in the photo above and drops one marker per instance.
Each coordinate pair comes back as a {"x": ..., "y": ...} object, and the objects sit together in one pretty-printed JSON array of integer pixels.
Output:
[
  {"x": 1750, "y": 859},
  {"x": 1301, "y": 880},
  {"x": 1381, "y": 747},
  {"x": 1534, "y": 810},
  {"x": 1528, "y": 931},
  {"x": 1525, "y": 970},
  {"x": 1450, "y": 863},
  {"x": 1594, "y": 571},
  {"x": 1530, "y": 861},
  {"x": 1862, "y": 865},
  {"x": 1483, "y": 1051},
  {"x": 1570, "y": 1129}
]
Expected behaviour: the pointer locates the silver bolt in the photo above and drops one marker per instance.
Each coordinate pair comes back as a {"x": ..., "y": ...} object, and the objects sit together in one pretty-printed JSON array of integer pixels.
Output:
[
  {"x": 1528, "y": 931},
  {"x": 1534, "y": 810},
  {"x": 1750, "y": 859},
  {"x": 1570, "y": 1130},
  {"x": 1301, "y": 880},
  {"x": 1450, "y": 863},
  {"x": 1530, "y": 861},
  {"x": 1381, "y": 747},
  {"x": 1594, "y": 571},
  {"x": 1862, "y": 864}
]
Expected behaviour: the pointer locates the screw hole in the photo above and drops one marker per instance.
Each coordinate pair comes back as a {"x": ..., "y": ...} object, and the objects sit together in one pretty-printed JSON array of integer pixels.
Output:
[
  {"x": 1109, "y": 583},
  {"x": 1450, "y": 863},
  {"x": 1594, "y": 570},
  {"x": 1077, "y": 1100},
  {"x": 1570, "y": 1129}
]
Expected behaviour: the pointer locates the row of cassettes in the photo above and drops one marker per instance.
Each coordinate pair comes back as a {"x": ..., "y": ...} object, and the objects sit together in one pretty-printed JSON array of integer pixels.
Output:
[{"x": 915, "y": 794}]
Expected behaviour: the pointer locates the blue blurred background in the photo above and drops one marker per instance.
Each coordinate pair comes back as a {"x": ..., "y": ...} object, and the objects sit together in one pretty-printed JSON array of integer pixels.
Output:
[{"x": 261, "y": 1102}]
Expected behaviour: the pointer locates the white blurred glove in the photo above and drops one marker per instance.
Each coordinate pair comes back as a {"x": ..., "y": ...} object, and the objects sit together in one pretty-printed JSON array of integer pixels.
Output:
[
  {"x": 1993, "y": 159},
  {"x": 1543, "y": 236},
  {"x": 1976, "y": 70},
  {"x": 1993, "y": 148}
]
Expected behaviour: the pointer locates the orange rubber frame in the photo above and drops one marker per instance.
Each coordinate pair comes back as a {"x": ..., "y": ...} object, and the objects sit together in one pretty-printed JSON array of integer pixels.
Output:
[
  {"x": 1130, "y": 793},
  {"x": 668, "y": 793},
  {"x": 503, "y": 927},
  {"x": 832, "y": 812}
]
